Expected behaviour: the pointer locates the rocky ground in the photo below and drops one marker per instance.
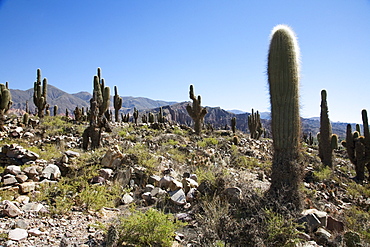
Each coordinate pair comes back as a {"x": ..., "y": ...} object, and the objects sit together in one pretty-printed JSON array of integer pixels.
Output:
[{"x": 169, "y": 168}]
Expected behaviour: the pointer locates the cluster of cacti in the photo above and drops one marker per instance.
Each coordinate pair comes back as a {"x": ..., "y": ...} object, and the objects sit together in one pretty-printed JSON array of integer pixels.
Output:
[
  {"x": 78, "y": 114},
  {"x": 196, "y": 112},
  {"x": 5, "y": 102},
  {"x": 125, "y": 117},
  {"x": 283, "y": 78},
  {"x": 101, "y": 93},
  {"x": 40, "y": 94},
  {"x": 99, "y": 104},
  {"x": 117, "y": 102},
  {"x": 254, "y": 125},
  {"x": 327, "y": 141},
  {"x": 308, "y": 139},
  {"x": 358, "y": 147}
]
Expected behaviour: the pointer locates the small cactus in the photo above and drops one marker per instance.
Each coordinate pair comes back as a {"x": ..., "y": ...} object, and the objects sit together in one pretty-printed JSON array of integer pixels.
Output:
[
  {"x": 196, "y": 112},
  {"x": 136, "y": 115},
  {"x": 5, "y": 102},
  {"x": 39, "y": 94},
  {"x": 25, "y": 119},
  {"x": 55, "y": 110},
  {"x": 117, "y": 102},
  {"x": 233, "y": 125}
]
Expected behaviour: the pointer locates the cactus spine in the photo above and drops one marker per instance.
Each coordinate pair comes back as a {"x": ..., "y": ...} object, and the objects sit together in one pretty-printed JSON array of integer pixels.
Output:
[
  {"x": 117, "y": 101},
  {"x": 196, "y": 112},
  {"x": 40, "y": 94},
  {"x": 5, "y": 102},
  {"x": 254, "y": 125},
  {"x": 283, "y": 78},
  {"x": 326, "y": 138}
]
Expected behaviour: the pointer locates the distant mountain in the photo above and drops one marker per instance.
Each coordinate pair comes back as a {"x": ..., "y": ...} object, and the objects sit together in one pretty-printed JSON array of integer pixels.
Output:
[
  {"x": 68, "y": 101},
  {"x": 55, "y": 96},
  {"x": 236, "y": 111}
]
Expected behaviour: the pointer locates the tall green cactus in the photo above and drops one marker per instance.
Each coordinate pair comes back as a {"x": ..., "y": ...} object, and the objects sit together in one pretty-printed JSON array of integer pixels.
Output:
[
  {"x": 233, "y": 125},
  {"x": 102, "y": 93},
  {"x": 160, "y": 117},
  {"x": 283, "y": 78},
  {"x": 327, "y": 141},
  {"x": 254, "y": 125},
  {"x": 196, "y": 112},
  {"x": 5, "y": 102},
  {"x": 40, "y": 94},
  {"x": 117, "y": 102}
]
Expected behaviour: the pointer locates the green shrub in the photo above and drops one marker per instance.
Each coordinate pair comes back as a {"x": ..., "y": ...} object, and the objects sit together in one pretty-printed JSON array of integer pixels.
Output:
[
  {"x": 152, "y": 228},
  {"x": 280, "y": 231}
]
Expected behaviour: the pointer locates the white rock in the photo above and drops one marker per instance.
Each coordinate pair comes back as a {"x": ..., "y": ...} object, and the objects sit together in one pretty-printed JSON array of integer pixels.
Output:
[{"x": 17, "y": 234}]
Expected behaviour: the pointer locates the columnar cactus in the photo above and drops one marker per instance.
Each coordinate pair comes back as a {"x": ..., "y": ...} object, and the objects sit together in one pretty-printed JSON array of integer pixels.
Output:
[
  {"x": 326, "y": 138},
  {"x": 47, "y": 111},
  {"x": 117, "y": 102},
  {"x": 5, "y": 102},
  {"x": 25, "y": 119},
  {"x": 358, "y": 148},
  {"x": 55, "y": 110},
  {"x": 196, "y": 112},
  {"x": 160, "y": 116},
  {"x": 283, "y": 78},
  {"x": 136, "y": 115},
  {"x": 102, "y": 94},
  {"x": 151, "y": 117},
  {"x": 40, "y": 94},
  {"x": 254, "y": 125},
  {"x": 233, "y": 125},
  {"x": 78, "y": 114}
]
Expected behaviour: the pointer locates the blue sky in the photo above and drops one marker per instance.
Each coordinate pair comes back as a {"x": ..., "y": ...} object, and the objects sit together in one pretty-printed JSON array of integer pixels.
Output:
[{"x": 157, "y": 48}]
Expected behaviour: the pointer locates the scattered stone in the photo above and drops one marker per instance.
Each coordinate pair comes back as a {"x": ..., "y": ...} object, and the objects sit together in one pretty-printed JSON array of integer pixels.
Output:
[
  {"x": 178, "y": 197},
  {"x": 97, "y": 180},
  {"x": 21, "y": 178},
  {"x": 106, "y": 173},
  {"x": 148, "y": 188},
  {"x": 175, "y": 185},
  {"x": 36, "y": 232},
  {"x": 334, "y": 225},
  {"x": 157, "y": 192},
  {"x": 127, "y": 199},
  {"x": 17, "y": 234},
  {"x": 154, "y": 179},
  {"x": 321, "y": 215},
  {"x": 27, "y": 187},
  {"x": 72, "y": 154},
  {"x": 122, "y": 176},
  {"x": 21, "y": 224},
  {"x": 13, "y": 169},
  {"x": 310, "y": 221},
  {"x": 51, "y": 172},
  {"x": 232, "y": 194},
  {"x": 9, "y": 180},
  {"x": 10, "y": 209},
  {"x": 31, "y": 171},
  {"x": 32, "y": 207},
  {"x": 112, "y": 157},
  {"x": 165, "y": 181},
  {"x": 23, "y": 199},
  {"x": 322, "y": 236}
]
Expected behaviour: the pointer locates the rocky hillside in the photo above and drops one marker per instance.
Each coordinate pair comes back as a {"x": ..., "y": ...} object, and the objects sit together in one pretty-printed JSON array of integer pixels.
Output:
[{"x": 161, "y": 185}]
